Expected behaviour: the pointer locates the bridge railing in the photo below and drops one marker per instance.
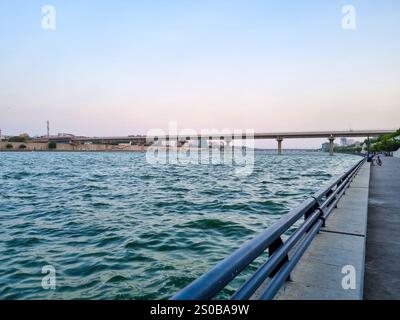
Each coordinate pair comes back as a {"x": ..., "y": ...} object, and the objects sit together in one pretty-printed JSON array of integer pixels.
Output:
[{"x": 311, "y": 215}]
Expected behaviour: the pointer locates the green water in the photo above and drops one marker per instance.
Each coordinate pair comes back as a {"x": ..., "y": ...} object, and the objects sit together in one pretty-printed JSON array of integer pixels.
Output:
[{"x": 115, "y": 227}]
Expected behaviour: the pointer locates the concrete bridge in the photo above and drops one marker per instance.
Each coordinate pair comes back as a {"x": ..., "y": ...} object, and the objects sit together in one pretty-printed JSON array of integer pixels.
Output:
[{"x": 225, "y": 136}]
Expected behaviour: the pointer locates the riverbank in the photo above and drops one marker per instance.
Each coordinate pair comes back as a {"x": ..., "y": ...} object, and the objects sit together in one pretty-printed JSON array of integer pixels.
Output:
[
  {"x": 65, "y": 147},
  {"x": 35, "y": 146}
]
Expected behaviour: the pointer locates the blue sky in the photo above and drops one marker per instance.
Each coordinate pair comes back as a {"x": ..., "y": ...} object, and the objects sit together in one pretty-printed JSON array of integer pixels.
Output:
[{"x": 124, "y": 67}]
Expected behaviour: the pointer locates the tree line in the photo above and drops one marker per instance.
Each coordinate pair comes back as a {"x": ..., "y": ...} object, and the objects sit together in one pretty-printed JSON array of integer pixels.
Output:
[{"x": 385, "y": 143}]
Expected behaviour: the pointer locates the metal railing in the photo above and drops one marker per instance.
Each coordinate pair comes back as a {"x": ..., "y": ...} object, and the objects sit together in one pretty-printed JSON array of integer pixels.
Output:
[{"x": 312, "y": 214}]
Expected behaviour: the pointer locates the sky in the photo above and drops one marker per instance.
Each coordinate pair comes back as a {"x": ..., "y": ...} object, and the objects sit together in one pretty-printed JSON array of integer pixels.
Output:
[{"x": 126, "y": 67}]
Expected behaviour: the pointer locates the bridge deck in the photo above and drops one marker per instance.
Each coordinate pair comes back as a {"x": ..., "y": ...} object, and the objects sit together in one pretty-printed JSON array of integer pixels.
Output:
[
  {"x": 225, "y": 134},
  {"x": 382, "y": 269}
]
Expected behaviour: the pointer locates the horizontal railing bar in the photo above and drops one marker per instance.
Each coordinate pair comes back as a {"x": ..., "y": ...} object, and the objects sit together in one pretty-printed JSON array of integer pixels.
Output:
[
  {"x": 210, "y": 283},
  {"x": 334, "y": 198},
  {"x": 254, "y": 282},
  {"x": 321, "y": 193},
  {"x": 276, "y": 283},
  {"x": 279, "y": 279},
  {"x": 213, "y": 281},
  {"x": 346, "y": 184}
]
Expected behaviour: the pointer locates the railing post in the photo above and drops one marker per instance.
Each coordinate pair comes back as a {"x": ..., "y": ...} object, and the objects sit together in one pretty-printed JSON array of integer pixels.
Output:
[
  {"x": 274, "y": 246},
  {"x": 278, "y": 266}
]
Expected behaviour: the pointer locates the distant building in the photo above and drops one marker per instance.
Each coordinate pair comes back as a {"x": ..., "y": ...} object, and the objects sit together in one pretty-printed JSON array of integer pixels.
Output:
[
  {"x": 66, "y": 135},
  {"x": 325, "y": 146},
  {"x": 343, "y": 142},
  {"x": 350, "y": 142},
  {"x": 24, "y": 135},
  {"x": 364, "y": 148}
]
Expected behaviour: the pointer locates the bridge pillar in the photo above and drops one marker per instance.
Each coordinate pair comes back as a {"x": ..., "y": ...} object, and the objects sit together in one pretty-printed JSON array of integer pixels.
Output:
[
  {"x": 331, "y": 145},
  {"x": 279, "y": 140},
  {"x": 227, "y": 150}
]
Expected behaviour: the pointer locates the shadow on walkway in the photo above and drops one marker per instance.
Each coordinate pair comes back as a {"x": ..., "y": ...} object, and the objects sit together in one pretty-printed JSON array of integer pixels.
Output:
[{"x": 382, "y": 267}]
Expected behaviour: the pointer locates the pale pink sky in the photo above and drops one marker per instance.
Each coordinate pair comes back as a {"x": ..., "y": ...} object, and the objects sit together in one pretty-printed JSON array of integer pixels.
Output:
[{"x": 268, "y": 67}]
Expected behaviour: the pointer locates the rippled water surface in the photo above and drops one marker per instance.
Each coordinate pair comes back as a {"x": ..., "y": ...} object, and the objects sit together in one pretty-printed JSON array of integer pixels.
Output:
[{"x": 115, "y": 227}]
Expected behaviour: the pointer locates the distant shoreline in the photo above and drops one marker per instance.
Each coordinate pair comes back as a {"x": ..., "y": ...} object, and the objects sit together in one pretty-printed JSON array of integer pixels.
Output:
[
  {"x": 145, "y": 150},
  {"x": 65, "y": 147},
  {"x": 72, "y": 150}
]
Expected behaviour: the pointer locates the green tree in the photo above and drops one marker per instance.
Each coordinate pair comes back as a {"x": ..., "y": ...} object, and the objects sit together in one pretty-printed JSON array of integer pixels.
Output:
[
  {"x": 387, "y": 142},
  {"x": 52, "y": 145},
  {"x": 9, "y": 146},
  {"x": 17, "y": 139}
]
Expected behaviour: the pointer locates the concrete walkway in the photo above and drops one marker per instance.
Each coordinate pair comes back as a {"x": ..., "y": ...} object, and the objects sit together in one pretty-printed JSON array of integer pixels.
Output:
[
  {"x": 340, "y": 244},
  {"x": 382, "y": 268}
]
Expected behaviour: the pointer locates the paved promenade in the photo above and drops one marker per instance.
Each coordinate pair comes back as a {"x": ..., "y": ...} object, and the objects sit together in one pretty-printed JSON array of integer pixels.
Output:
[
  {"x": 382, "y": 268},
  {"x": 340, "y": 243}
]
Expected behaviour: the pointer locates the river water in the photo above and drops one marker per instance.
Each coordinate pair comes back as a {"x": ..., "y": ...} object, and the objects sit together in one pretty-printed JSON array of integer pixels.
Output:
[{"x": 115, "y": 227}]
